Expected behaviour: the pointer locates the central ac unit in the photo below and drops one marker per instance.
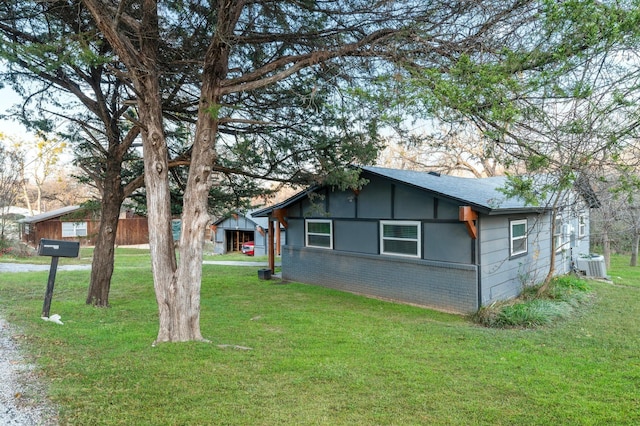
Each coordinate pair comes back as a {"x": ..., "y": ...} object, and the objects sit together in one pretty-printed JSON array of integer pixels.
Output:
[{"x": 593, "y": 266}]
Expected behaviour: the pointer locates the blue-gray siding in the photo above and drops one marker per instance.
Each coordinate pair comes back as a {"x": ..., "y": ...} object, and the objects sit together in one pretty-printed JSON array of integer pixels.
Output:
[
  {"x": 503, "y": 277},
  {"x": 444, "y": 286},
  {"x": 445, "y": 278},
  {"x": 455, "y": 272}
]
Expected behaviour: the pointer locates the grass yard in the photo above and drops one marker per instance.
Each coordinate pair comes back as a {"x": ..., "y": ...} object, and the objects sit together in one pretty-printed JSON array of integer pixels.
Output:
[{"x": 322, "y": 357}]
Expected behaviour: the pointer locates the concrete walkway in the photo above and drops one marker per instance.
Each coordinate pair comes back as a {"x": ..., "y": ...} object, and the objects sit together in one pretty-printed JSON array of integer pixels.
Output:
[{"x": 236, "y": 263}]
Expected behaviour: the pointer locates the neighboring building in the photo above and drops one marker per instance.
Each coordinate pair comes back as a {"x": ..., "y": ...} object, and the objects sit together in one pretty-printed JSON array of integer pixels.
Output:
[
  {"x": 9, "y": 217},
  {"x": 62, "y": 224},
  {"x": 229, "y": 233},
  {"x": 445, "y": 242}
]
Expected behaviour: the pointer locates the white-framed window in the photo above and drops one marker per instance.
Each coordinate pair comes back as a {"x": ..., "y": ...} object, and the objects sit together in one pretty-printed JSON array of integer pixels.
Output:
[
  {"x": 582, "y": 225},
  {"x": 518, "y": 237},
  {"x": 558, "y": 235},
  {"x": 74, "y": 229},
  {"x": 319, "y": 233},
  {"x": 400, "y": 238}
]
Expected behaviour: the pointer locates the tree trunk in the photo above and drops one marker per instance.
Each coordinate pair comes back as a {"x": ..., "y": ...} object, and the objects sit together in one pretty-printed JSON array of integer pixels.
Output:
[
  {"x": 39, "y": 196},
  {"x": 163, "y": 261},
  {"x": 552, "y": 258},
  {"x": 606, "y": 247},
  {"x": 634, "y": 249},
  {"x": 182, "y": 318},
  {"x": 25, "y": 193},
  {"x": 195, "y": 219},
  {"x": 178, "y": 300},
  {"x": 173, "y": 300},
  {"x": 103, "y": 253}
]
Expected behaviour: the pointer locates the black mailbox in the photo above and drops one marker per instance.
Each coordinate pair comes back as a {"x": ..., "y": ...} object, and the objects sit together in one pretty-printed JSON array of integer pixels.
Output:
[
  {"x": 58, "y": 248},
  {"x": 55, "y": 249}
]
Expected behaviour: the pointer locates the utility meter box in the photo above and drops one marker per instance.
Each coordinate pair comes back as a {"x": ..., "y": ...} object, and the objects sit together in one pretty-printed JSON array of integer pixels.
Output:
[{"x": 58, "y": 248}]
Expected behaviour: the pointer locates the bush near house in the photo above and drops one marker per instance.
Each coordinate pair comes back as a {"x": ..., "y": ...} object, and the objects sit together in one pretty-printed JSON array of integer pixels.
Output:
[{"x": 564, "y": 295}]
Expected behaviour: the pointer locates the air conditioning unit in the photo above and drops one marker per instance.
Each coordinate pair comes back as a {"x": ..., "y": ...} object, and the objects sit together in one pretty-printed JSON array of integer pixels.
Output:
[{"x": 593, "y": 266}]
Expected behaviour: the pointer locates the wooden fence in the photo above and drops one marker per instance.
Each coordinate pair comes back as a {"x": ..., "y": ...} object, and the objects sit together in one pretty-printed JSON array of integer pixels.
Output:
[{"x": 131, "y": 231}]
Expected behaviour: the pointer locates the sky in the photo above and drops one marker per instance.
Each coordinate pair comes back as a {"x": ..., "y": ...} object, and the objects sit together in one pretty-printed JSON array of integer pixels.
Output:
[
  {"x": 8, "y": 98},
  {"x": 16, "y": 131}
]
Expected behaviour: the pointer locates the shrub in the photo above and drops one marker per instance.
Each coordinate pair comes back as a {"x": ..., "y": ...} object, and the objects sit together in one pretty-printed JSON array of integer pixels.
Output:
[
  {"x": 571, "y": 282},
  {"x": 564, "y": 294},
  {"x": 5, "y": 246},
  {"x": 14, "y": 249},
  {"x": 533, "y": 313},
  {"x": 568, "y": 289}
]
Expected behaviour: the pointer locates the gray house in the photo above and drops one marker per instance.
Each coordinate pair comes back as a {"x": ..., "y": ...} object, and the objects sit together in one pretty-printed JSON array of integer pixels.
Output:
[{"x": 449, "y": 243}]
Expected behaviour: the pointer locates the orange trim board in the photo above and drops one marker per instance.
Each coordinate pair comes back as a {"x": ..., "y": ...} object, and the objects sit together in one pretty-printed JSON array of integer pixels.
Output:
[
  {"x": 466, "y": 215},
  {"x": 280, "y": 214}
]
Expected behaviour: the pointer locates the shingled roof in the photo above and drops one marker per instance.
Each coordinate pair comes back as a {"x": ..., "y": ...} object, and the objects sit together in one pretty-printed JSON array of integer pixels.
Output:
[
  {"x": 50, "y": 214},
  {"x": 482, "y": 194}
]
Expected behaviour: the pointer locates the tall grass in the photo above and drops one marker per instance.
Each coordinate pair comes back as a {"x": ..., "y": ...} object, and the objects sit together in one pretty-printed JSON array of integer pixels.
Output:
[
  {"x": 321, "y": 357},
  {"x": 563, "y": 296}
]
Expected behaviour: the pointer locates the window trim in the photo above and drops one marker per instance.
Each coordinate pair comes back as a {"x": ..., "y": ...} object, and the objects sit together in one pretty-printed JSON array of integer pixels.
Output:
[
  {"x": 582, "y": 225},
  {"x": 418, "y": 240},
  {"x": 558, "y": 237},
  {"x": 74, "y": 232},
  {"x": 525, "y": 237},
  {"x": 307, "y": 233}
]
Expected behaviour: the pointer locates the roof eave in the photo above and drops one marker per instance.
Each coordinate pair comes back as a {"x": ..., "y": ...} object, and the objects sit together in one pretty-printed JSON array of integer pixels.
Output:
[
  {"x": 267, "y": 211},
  {"x": 518, "y": 210}
]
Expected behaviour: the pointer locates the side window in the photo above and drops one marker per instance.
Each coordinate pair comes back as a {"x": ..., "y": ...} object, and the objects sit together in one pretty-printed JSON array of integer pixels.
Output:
[
  {"x": 558, "y": 237},
  {"x": 319, "y": 233},
  {"x": 518, "y": 237},
  {"x": 74, "y": 229},
  {"x": 582, "y": 225},
  {"x": 400, "y": 238}
]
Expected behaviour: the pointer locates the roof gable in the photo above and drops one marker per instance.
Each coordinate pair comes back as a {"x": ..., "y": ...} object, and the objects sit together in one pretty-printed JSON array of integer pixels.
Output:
[{"x": 247, "y": 217}]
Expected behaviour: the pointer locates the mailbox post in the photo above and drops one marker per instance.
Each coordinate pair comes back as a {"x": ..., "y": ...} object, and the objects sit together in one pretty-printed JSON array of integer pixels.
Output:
[{"x": 55, "y": 249}]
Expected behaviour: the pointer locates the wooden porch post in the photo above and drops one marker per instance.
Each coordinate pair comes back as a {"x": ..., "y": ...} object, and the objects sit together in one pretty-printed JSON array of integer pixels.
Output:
[{"x": 272, "y": 263}]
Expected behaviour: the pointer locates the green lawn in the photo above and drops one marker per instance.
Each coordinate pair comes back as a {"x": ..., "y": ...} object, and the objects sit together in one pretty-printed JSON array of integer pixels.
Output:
[
  {"x": 621, "y": 273},
  {"x": 322, "y": 357}
]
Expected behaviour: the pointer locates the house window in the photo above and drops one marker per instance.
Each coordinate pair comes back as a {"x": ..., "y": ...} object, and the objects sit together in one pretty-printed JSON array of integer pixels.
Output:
[
  {"x": 518, "y": 237},
  {"x": 558, "y": 239},
  {"x": 582, "y": 225},
  {"x": 74, "y": 229},
  {"x": 400, "y": 238},
  {"x": 319, "y": 233}
]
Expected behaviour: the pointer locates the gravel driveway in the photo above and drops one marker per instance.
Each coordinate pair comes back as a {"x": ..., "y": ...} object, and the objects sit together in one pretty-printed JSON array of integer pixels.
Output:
[
  {"x": 22, "y": 396},
  {"x": 28, "y": 267}
]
